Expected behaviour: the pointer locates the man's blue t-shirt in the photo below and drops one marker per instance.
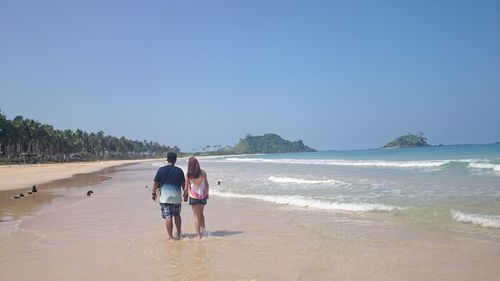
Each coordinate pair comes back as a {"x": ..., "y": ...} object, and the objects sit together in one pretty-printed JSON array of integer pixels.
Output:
[{"x": 171, "y": 179}]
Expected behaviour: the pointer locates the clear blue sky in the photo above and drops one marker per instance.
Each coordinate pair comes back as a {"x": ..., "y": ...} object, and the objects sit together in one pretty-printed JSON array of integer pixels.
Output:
[{"x": 336, "y": 74}]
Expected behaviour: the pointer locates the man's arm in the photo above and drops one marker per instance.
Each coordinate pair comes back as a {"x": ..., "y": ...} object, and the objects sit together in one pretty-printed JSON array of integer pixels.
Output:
[{"x": 156, "y": 185}]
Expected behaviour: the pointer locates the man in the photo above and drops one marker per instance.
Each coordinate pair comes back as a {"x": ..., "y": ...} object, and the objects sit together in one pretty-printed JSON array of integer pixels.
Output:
[{"x": 170, "y": 179}]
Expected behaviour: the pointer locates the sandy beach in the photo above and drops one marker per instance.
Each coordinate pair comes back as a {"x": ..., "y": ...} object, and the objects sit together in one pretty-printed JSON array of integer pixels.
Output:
[
  {"x": 25, "y": 176},
  {"x": 118, "y": 234}
]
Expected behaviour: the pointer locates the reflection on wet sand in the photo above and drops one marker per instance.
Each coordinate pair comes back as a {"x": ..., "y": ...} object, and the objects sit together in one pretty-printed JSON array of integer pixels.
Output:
[
  {"x": 200, "y": 264},
  {"x": 13, "y": 209},
  {"x": 187, "y": 259},
  {"x": 223, "y": 233}
]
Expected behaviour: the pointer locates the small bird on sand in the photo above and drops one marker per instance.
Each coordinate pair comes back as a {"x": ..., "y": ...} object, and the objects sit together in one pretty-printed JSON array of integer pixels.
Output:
[{"x": 90, "y": 192}]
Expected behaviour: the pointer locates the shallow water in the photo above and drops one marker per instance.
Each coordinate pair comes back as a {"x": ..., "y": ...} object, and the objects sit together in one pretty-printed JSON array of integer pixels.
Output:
[
  {"x": 452, "y": 186},
  {"x": 118, "y": 234}
]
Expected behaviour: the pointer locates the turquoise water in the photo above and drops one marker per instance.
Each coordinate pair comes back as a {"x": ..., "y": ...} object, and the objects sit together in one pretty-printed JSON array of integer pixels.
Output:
[{"x": 457, "y": 186}]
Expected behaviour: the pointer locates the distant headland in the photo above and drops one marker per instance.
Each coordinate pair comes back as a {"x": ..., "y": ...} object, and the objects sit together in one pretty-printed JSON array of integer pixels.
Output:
[
  {"x": 408, "y": 141},
  {"x": 267, "y": 143}
]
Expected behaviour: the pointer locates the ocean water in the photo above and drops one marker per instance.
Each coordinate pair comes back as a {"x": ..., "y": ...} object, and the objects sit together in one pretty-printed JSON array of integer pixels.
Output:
[{"x": 452, "y": 186}]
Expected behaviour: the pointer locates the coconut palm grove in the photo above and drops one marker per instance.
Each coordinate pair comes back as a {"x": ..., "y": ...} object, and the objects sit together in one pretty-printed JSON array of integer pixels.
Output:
[{"x": 24, "y": 140}]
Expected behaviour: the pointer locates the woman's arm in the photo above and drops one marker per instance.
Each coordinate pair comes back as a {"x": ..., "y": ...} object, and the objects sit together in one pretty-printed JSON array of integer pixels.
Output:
[
  {"x": 186, "y": 188},
  {"x": 206, "y": 181}
]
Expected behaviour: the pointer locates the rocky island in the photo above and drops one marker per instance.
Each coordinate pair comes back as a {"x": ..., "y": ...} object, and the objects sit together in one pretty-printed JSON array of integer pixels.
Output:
[
  {"x": 408, "y": 141},
  {"x": 267, "y": 143}
]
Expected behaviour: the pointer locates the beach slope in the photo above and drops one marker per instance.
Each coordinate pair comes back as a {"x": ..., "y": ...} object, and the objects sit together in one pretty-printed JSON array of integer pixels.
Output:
[{"x": 24, "y": 176}]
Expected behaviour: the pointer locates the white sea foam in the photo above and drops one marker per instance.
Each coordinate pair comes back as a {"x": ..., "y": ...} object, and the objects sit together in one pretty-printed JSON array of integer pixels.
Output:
[
  {"x": 302, "y": 181},
  {"x": 481, "y": 220},
  {"x": 300, "y": 201},
  {"x": 341, "y": 162},
  {"x": 484, "y": 166}
]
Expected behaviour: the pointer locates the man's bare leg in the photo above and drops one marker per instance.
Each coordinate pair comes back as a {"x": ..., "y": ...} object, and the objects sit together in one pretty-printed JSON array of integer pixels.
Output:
[
  {"x": 178, "y": 223},
  {"x": 170, "y": 226}
]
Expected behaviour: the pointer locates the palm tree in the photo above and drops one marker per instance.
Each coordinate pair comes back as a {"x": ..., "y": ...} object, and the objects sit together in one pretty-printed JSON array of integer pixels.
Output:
[{"x": 25, "y": 137}]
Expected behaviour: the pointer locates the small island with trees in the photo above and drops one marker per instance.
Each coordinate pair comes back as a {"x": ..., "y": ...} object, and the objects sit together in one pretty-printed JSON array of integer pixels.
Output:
[
  {"x": 267, "y": 143},
  {"x": 408, "y": 141}
]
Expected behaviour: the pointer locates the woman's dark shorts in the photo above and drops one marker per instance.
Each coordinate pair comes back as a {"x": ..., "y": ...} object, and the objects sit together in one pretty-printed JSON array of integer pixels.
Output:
[
  {"x": 170, "y": 210},
  {"x": 193, "y": 201}
]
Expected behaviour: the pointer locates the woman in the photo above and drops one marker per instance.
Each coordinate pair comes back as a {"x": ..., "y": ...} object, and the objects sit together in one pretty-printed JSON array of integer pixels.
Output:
[{"x": 196, "y": 188}]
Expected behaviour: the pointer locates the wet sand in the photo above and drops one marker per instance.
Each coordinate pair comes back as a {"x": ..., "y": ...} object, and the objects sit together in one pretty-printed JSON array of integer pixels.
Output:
[
  {"x": 118, "y": 234},
  {"x": 24, "y": 176}
]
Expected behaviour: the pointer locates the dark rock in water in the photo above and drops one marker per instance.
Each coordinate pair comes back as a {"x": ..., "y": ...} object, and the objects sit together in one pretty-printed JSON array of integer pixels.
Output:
[
  {"x": 16, "y": 197},
  {"x": 90, "y": 192},
  {"x": 146, "y": 186},
  {"x": 34, "y": 189},
  {"x": 21, "y": 195},
  {"x": 218, "y": 182},
  {"x": 30, "y": 192}
]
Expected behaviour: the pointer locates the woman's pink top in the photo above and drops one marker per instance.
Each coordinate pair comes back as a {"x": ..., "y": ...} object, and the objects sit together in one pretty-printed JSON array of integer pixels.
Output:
[{"x": 198, "y": 191}]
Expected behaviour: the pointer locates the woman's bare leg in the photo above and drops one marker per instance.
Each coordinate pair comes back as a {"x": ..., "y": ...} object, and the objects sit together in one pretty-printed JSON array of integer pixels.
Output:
[
  {"x": 196, "y": 212},
  {"x": 202, "y": 217}
]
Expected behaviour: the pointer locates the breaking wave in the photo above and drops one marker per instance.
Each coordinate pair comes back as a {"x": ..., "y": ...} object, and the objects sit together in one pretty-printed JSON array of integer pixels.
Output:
[
  {"x": 300, "y": 201},
  {"x": 302, "y": 181},
  {"x": 485, "y": 166},
  {"x": 341, "y": 162},
  {"x": 481, "y": 220},
  {"x": 475, "y": 164}
]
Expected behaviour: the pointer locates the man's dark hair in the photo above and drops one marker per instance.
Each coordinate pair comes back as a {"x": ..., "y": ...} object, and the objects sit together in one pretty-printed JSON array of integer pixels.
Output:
[{"x": 171, "y": 157}]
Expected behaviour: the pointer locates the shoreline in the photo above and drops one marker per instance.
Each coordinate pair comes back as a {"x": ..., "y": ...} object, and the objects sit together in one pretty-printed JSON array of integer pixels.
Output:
[
  {"x": 20, "y": 176},
  {"x": 279, "y": 242}
]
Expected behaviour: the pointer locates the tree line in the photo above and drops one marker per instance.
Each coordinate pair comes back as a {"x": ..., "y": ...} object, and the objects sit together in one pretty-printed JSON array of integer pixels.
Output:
[{"x": 24, "y": 140}]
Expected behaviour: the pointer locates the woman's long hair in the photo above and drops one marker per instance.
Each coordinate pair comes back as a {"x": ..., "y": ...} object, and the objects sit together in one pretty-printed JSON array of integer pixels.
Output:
[{"x": 194, "y": 170}]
